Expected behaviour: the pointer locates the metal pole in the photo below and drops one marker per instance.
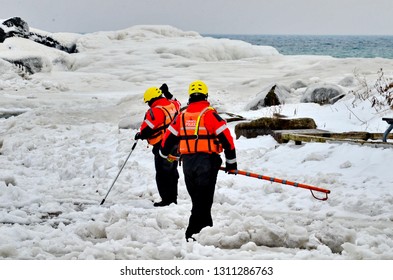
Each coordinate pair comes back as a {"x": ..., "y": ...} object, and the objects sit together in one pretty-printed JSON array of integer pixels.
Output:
[
  {"x": 281, "y": 181},
  {"x": 132, "y": 149}
]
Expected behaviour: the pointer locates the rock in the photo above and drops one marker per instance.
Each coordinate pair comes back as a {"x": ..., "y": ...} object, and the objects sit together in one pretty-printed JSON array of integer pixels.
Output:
[
  {"x": 17, "y": 27},
  {"x": 270, "y": 96},
  {"x": 266, "y": 126},
  {"x": 29, "y": 65},
  {"x": 3, "y": 35},
  {"x": 52, "y": 43},
  {"x": 322, "y": 94},
  {"x": 14, "y": 27}
]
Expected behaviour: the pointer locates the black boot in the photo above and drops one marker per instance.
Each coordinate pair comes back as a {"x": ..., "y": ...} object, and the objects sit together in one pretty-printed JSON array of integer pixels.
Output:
[
  {"x": 189, "y": 234},
  {"x": 163, "y": 203},
  {"x": 189, "y": 237}
]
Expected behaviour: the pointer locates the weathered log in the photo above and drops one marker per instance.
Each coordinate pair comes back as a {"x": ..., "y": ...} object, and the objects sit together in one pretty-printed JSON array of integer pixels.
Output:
[{"x": 265, "y": 126}]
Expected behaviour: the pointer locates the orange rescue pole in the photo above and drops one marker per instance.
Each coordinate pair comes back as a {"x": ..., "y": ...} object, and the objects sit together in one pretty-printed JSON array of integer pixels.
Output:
[{"x": 281, "y": 181}]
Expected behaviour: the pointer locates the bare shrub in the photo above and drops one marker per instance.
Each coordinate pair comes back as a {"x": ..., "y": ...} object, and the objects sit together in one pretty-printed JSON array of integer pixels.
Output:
[{"x": 380, "y": 95}]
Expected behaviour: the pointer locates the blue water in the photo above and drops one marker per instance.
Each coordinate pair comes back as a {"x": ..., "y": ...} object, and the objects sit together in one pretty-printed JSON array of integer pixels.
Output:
[{"x": 339, "y": 46}]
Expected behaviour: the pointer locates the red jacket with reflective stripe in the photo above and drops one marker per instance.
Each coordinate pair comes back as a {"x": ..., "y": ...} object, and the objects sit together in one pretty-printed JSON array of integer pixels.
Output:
[{"x": 157, "y": 119}]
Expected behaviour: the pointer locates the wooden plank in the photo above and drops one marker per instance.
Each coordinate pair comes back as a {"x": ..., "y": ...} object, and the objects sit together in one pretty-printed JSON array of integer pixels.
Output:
[
  {"x": 298, "y": 138},
  {"x": 302, "y": 131},
  {"x": 358, "y": 135},
  {"x": 302, "y": 137},
  {"x": 277, "y": 134}
]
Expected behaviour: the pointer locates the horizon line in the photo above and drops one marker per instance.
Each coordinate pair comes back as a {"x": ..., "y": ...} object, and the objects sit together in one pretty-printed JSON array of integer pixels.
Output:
[{"x": 297, "y": 34}]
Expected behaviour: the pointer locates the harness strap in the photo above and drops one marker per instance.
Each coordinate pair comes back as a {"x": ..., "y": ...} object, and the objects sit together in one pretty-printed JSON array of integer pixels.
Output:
[
  {"x": 185, "y": 131},
  {"x": 196, "y": 135},
  {"x": 199, "y": 119},
  {"x": 156, "y": 132}
]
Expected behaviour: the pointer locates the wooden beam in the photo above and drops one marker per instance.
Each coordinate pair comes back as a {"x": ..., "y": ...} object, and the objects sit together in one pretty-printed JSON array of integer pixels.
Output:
[{"x": 298, "y": 138}]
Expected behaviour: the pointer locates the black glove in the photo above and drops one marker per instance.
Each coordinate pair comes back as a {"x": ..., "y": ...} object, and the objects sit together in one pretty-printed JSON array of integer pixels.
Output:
[
  {"x": 165, "y": 90},
  {"x": 138, "y": 136},
  {"x": 230, "y": 167}
]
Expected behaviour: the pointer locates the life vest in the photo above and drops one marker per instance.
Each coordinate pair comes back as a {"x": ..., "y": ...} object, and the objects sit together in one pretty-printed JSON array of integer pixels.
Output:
[
  {"x": 170, "y": 112},
  {"x": 194, "y": 137}
]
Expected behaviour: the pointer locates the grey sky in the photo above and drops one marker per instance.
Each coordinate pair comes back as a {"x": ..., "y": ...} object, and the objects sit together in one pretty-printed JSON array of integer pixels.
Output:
[{"x": 208, "y": 16}]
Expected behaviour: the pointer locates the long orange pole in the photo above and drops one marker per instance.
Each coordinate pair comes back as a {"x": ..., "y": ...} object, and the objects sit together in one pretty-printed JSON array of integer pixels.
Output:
[{"x": 281, "y": 181}]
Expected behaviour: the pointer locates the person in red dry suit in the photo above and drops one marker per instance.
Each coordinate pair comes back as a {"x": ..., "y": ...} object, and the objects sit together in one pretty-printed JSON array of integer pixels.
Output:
[
  {"x": 201, "y": 135},
  {"x": 163, "y": 109}
]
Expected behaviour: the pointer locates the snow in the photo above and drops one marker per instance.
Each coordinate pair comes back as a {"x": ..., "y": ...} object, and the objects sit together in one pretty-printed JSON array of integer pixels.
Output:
[{"x": 74, "y": 125}]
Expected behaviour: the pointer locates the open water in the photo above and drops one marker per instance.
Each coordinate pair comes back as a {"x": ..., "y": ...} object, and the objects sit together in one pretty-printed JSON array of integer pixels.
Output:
[{"x": 339, "y": 46}]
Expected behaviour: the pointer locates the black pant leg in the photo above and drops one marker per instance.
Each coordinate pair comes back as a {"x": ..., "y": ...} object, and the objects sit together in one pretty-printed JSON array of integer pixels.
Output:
[
  {"x": 167, "y": 177},
  {"x": 200, "y": 173}
]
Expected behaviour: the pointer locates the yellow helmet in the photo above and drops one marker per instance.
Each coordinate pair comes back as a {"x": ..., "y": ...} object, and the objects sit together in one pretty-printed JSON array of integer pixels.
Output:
[
  {"x": 197, "y": 87},
  {"x": 151, "y": 93}
]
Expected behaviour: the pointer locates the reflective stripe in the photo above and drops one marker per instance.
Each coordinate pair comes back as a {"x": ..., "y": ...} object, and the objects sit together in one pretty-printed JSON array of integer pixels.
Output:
[
  {"x": 161, "y": 155},
  {"x": 230, "y": 161},
  {"x": 173, "y": 131},
  {"x": 221, "y": 129},
  {"x": 149, "y": 123},
  {"x": 199, "y": 119}
]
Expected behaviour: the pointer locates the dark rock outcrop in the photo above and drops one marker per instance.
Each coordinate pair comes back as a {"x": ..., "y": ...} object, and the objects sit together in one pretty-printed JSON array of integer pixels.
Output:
[
  {"x": 17, "y": 27},
  {"x": 270, "y": 96},
  {"x": 13, "y": 27},
  {"x": 29, "y": 65}
]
